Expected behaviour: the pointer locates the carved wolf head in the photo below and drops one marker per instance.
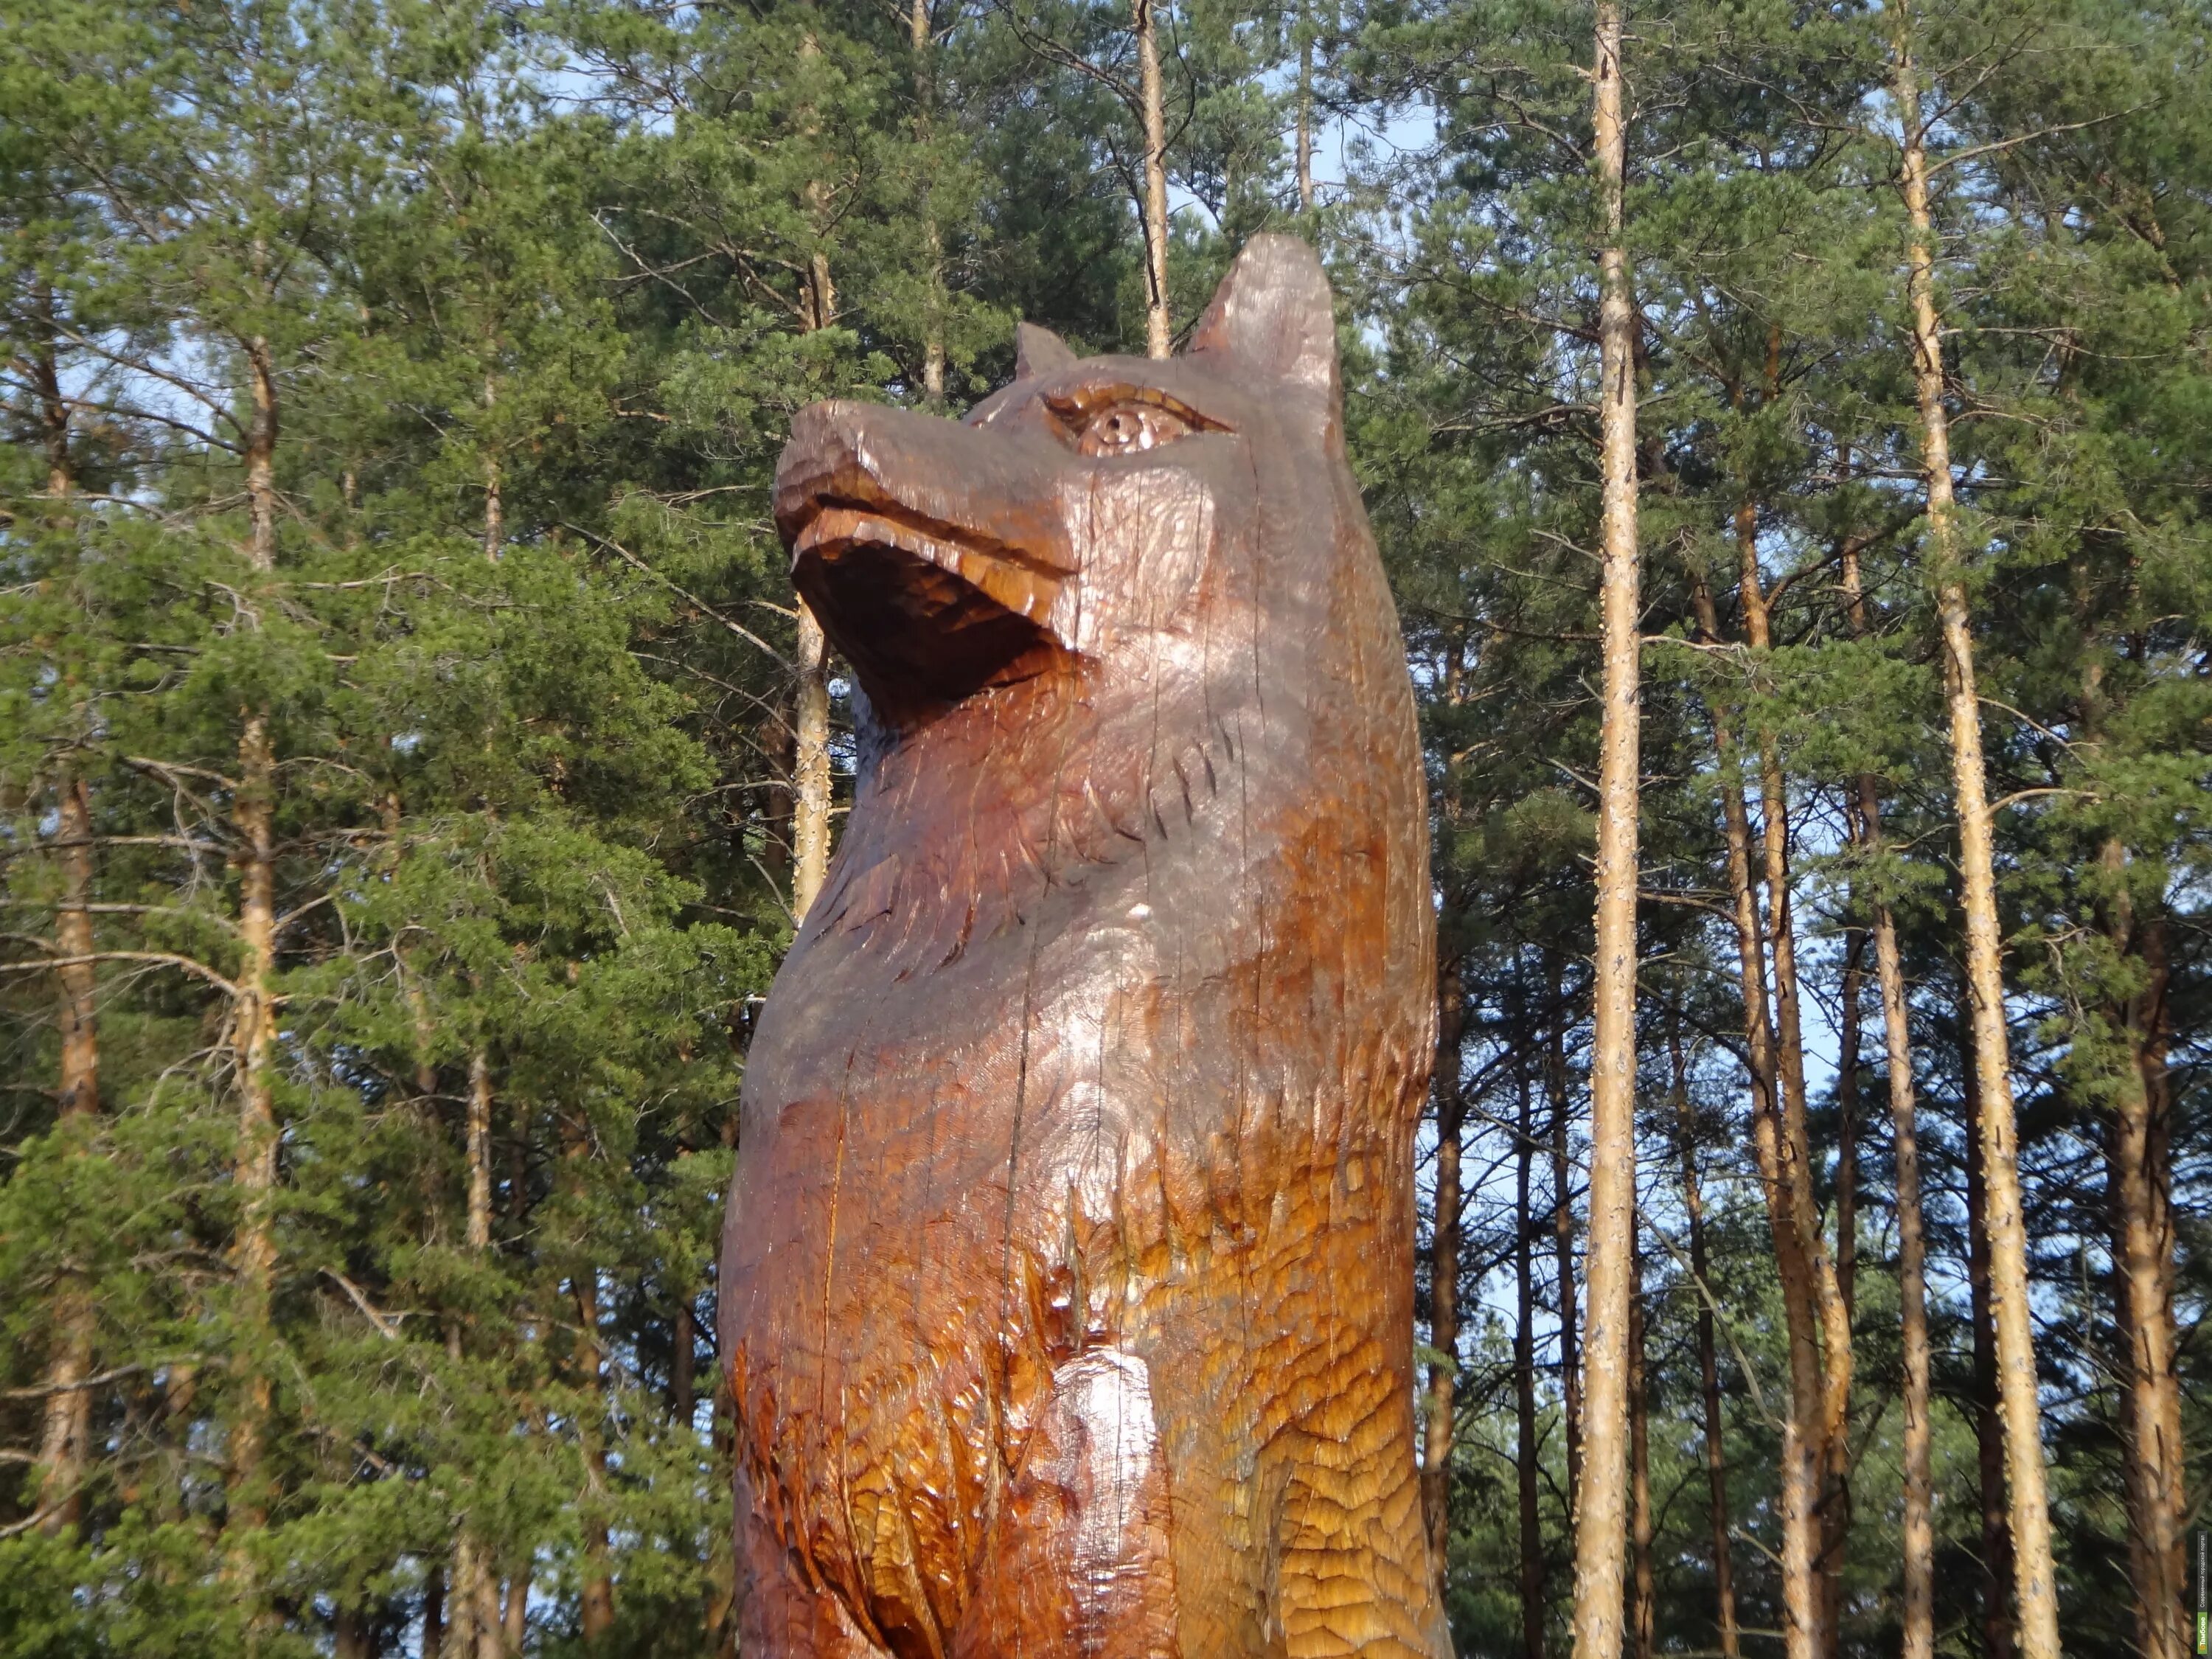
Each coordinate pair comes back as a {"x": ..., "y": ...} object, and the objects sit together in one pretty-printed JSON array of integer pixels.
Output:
[{"x": 1092, "y": 510}]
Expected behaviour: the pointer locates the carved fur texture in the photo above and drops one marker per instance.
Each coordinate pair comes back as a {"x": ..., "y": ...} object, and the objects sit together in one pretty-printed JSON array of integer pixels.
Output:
[{"x": 1066, "y": 1284}]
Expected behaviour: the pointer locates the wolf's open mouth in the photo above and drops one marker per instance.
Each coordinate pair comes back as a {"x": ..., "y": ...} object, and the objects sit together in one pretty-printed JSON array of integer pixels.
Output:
[{"x": 923, "y": 617}]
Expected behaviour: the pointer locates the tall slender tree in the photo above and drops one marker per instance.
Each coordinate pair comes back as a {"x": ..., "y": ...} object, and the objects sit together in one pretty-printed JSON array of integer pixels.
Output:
[{"x": 1600, "y": 1509}]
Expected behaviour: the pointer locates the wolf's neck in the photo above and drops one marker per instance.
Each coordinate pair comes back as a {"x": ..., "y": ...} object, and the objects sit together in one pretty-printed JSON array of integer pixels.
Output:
[{"x": 963, "y": 829}]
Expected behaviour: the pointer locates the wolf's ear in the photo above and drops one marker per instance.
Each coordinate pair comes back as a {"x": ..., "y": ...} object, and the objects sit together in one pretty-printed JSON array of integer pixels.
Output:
[
  {"x": 1272, "y": 315},
  {"x": 1039, "y": 351}
]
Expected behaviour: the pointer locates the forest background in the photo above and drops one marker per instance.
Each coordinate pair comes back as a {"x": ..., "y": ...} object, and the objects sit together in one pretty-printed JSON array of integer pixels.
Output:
[{"x": 412, "y": 755}]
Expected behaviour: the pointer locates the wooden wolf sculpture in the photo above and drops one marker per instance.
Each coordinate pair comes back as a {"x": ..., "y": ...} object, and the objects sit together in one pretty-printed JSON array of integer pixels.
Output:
[{"x": 1066, "y": 1282}]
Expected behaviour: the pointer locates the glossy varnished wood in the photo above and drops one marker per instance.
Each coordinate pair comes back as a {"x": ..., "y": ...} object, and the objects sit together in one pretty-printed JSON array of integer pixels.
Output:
[{"x": 1067, "y": 1280}]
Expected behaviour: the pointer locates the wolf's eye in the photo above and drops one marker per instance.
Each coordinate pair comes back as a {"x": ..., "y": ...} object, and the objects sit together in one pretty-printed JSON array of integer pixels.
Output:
[{"x": 1127, "y": 428}]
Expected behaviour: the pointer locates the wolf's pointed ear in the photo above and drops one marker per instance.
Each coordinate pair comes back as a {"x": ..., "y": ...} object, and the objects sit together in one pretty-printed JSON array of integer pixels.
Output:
[
  {"x": 1272, "y": 315},
  {"x": 1039, "y": 351}
]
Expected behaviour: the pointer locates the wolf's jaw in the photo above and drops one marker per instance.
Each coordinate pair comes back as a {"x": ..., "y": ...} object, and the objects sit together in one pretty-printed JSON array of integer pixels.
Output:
[
  {"x": 926, "y": 618},
  {"x": 1025, "y": 586}
]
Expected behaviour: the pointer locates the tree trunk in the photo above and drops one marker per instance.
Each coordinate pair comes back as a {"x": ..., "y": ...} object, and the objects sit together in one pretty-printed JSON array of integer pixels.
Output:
[
  {"x": 472, "y": 1620},
  {"x": 2139, "y": 1182},
  {"x": 353, "y": 1634},
  {"x": 252, "y": 1016},
  {"x": 2138, "y": 1194},
  {"x": 1600, "y": 1517},
  {"x": 1802, "y": 1438},
  {"x": 1836, "y": 1474},
  {"x": 721, "y": 1625},
  {"x": 683, "y": 1360},
  {"x": 476, "y": 1616},
  {"x": 1828, "y": 1433},
  {"x": 64, "y": 1440},
  {"x": 253, "y": 1169},
  {"x": 919, "y": 36},
  {"x": 53, "y": 406},
  {"x": 1847, "y": 1118},
  {"x": 2035, "y": 1583},
  {"x": 491, "y": 1634},
  {"x": 598, "y": 1594},
  {"x": 434, "y": 1613},
  {"x": 1998, "y": 1571},
  {"x": 1444, "y": 1276},
  {"x": 1916, "y": 1542},
  {"x": 479, "y": 1152},
  {"x": 1159, "y": 333},
  {"x": 1708, "y": 1378},
  {"x": 1643, "y": 1605},
  {"x": 494, "y": 528},
  {"x": 1524, "y": 1384},
  {"x": 811, "y": 779},
  {"x": 518, "y": 1165},
  {"x": 1917, "y": 1539},
  {"x": 1563, "y": 1243},
  {"x": 1305, "y": 135},
  {"x": 515, "y": 1612}
]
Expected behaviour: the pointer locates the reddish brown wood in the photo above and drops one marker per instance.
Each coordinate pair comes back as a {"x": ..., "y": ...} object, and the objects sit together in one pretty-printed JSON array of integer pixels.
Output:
[{"x": 1066, "y": 1282}]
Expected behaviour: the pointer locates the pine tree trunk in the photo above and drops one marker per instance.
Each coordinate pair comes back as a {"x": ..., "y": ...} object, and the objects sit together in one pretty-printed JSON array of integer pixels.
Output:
[
  {"x": 252, "y": 1021},
  {"x": 1709, "y": 1378},
  {"x": 1917, "y": 1539},
  {"x": 53, "y": 406},
  {"x": 1524, "y": 1384},
  {"x": 66, "y": 1433},
  {"x": 1836, "y": 1472},
  {"x": 1601, "y": 1513},
  {"x": 2035, "y": 1583},
  {"x": 353, "y": 1635},
  {"x": 469, "y": 1633},
  {"x": 64, "y": 1440},
  {"x": 1444, "y": 1276},
  {"x": 1916, "y": 1542},
  {"x": 476, "y": 1616},
  {"x": 1563, "y": 1243},
  {"x": 2138, "y": 1197},
  {"x": 479, "y": 1152},
  {"x": 721, "y": 1624},
  {"x": 2139, "y": 1184},
  {"x": 1827, "y": 1434},
  {"x": 515, "y": 1612},
  {"x": 434, "y": 1614},
  {"x": 1305, "y": 135},
  {"x": 1998, "y": 1571},
  {"x": 491, "y": 1635},
  {"x": 1643, "y": 1607},
  {"x": 2020, "y": 1403},
  {"x": 1159, "y": 333},
  {"x": 494, "y": 526},
  {"x": 1802, "y": 1438},
  {"x": 598, "y": 1594},
  {"x": 596, "y": 1612},
  {"x": 810, "y": 696},
  {"x": 919, "y": 36},
  {"x": 683, "y": 1354},
  {"x": 1847, "y": 1117}
]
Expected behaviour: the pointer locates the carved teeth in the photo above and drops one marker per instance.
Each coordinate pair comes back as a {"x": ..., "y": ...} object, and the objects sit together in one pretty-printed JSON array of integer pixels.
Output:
[{"x": 1027, "y": 594}]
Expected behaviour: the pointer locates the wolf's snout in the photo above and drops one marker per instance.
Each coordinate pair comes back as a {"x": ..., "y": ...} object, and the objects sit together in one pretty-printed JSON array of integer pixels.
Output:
[{"x": 933, "y": 555}]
